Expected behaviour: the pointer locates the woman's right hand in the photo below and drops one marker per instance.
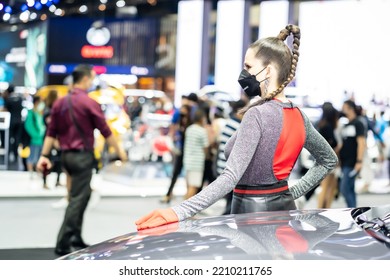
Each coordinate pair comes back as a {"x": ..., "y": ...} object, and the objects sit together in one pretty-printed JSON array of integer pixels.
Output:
[{"x": 157, "y": 218}]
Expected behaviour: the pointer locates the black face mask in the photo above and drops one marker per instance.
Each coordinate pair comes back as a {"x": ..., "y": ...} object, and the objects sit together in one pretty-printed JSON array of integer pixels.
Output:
[{"x": 249, "y": 84}]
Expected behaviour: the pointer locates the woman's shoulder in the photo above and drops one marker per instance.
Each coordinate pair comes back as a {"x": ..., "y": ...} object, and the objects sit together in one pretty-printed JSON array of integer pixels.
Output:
[{"x": 268, "y": 108}]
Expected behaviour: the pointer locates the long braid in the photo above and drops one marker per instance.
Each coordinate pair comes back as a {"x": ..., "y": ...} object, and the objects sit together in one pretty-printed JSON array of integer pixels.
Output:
[{"x": 295, "y": 31}]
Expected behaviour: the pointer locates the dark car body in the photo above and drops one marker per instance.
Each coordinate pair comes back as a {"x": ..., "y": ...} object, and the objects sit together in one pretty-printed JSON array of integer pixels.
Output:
[{"x": 351, "y": 234}]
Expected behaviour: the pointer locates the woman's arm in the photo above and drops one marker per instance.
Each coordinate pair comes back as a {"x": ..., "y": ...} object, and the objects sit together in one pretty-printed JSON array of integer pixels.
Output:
[{"x": 325, "y": 157}]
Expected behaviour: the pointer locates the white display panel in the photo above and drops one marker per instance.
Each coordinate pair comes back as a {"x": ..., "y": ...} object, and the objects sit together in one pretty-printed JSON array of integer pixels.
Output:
[
  {"x": 273, "y": 18},
  {"x": 344, "y": 48},
  {"x": 229, "y": 46},
  {"x": 189, "y": 48}
]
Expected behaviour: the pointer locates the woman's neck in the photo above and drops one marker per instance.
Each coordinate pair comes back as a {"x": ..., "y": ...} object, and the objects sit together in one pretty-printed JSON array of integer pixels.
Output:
[{"x": 281, "y": 97}]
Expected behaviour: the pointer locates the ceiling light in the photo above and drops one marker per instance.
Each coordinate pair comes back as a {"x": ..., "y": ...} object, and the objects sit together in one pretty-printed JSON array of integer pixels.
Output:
[
  {"x": 30, "y": 3},
  {"x": 24, "y": 16},
  {"x": 33, "y": 16},
  {"x": 24, "y": 7},
  {"x": 6, "y": 17},
  {"x": 38, "y": 6},
  {"x": 83, "y": 9},
  {"x": 120, "y": 3},
  {"x": 52, "y": 8},
  {"x": 58, "y": 12},
  {"x": 8, "y": 10}
]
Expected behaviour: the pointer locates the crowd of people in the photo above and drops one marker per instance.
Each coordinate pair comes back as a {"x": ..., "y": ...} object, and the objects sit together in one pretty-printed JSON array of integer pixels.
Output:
[
  {"x": 29, "y": 118},
  {"x": 358, "y": 135}
]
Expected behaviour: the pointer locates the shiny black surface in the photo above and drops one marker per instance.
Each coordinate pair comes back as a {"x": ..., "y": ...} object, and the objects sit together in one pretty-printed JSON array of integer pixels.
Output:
[{"x": 304, "y": 234}]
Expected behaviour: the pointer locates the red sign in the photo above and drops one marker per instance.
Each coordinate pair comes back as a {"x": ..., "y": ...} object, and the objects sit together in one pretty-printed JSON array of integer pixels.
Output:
[
  {"x": 99, "y": 69},
  {"x": 97, "y": 52}
]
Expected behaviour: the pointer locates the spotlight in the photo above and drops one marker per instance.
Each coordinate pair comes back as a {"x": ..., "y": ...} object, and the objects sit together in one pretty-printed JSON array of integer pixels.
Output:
[
  {"x": 24, "y": 8},
  {"x": 25, "y": 16},
  {"x": 58, "y": 12},
  {"x": 1, "y": 6},
  {"x": 83, "y": 9},
  {"x": 44, "y": 2},
  {"x": 33, "y": 16},
  {"x": 38, "y": 6},
  {"x": 30, "y": 3},
  {"x": 8, "y": 10},
  {"x": 6, "y": 17},
  {"x": 120, "y": 3}
]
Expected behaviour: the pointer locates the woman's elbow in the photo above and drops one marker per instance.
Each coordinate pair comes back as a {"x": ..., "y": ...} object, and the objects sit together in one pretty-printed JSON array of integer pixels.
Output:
[{"x": 333, "y": 162}]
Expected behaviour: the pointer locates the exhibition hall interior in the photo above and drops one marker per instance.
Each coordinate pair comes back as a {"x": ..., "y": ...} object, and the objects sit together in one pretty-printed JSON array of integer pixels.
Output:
[{"x": 110, "y": 109}]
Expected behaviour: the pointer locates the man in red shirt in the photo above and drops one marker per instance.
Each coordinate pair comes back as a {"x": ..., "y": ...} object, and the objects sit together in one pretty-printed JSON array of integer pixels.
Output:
[{"x": 73, "y": 120}]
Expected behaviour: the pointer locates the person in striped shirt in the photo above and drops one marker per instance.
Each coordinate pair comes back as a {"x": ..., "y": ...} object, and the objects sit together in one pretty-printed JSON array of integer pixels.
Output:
[{"x": 230, "y": 127}]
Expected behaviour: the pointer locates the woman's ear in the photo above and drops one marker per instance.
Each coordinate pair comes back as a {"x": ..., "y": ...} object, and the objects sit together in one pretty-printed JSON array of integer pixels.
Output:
[{"x": 269, "y": 71}]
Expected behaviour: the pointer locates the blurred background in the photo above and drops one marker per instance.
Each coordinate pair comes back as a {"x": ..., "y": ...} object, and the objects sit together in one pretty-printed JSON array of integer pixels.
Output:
[{"x": 148, "y": 54}]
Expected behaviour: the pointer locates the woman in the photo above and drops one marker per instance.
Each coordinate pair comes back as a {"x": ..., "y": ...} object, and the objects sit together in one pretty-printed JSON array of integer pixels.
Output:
[
  {"x": 209, "y": 170},
  {"x": 263, "y": 151},
  {"x": 55, "y": 154},
  {"x": 195, "y": 149},
  {"x": 184, "y": 122},
  {"x": 326, "y": 127},
  {"x": 35, "y": 127}
]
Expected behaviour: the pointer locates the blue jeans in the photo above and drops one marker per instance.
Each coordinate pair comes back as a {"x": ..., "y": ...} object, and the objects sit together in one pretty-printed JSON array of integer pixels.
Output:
[
  {"x": 347, "y": 186},
  {"x": 35, "y": 152}
]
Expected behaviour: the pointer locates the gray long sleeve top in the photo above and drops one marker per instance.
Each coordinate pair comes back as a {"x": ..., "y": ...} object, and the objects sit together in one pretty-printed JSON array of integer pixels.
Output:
[{"x": 251, "y": 151}]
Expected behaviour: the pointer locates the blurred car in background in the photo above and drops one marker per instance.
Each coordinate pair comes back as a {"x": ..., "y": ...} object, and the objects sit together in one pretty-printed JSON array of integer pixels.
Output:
[{"x": 328, "y": 234}]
